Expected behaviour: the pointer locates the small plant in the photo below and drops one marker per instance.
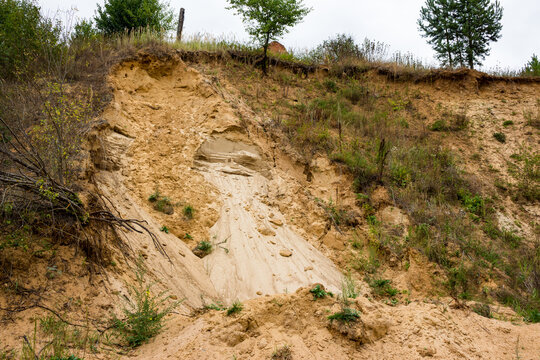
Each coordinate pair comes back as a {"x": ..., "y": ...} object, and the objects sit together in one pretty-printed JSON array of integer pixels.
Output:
[
  {"x": 348, "y": 288},
  {"x": 236, "y": 307},
  {"x": 188, "y": 237},
  {"x": 508, "y": 123},
  {"x": 383, "y": 287},
  {"x": 500, "y": 137},
  {"x": 346, "y": 315},
  {"x": 330, "y": 85},
  {"x": 145, "y": 315},
  {"x": 319, "y": 292},
  {"x": 161, "y": 203},
  {"x": 188, "y": 211},
  {"x": 282, "y": 353},
  {"x": 164, "y": 229},
  {"x": 205, "y": 246},
  {"x": 483, "y": 310}
]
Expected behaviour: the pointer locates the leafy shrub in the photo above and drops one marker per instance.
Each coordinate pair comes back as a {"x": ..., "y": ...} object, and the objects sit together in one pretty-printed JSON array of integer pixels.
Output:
[
  {"x": 500, "y": 137},
  {"x": 330, "y": 85},
  {"x": 507, "y": 123},
  {"x": 319, "y": 292},
  {"x": 145, "y": 315},
  {"x": 236, "y": 307},
  {"x": 161, "y": 203},
  {"x": 340, "y": 48},
  {"x": 188, "y": 211},
  {"x": 383, "y": 287},
  {"x": 346, "y": 315}
]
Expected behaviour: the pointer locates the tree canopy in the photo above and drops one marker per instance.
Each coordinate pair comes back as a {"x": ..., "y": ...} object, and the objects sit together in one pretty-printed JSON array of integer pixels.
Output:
[
  {"x": 128, "y": 15},
  {"x": 460, "y": 31},
  {"x": 268, "y": 20}
]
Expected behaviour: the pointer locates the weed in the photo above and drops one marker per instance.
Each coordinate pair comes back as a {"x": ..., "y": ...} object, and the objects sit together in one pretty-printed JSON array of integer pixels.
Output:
[
  {"x": 236, "y": 307},
  {"x": 319, "y": 292},
  {"x": 500, "y": 137},
  {"x": 483, "y": 310},
  {"x": 188, "y": 211},
  {"x": 145, "y": 315},
  {"x": 383, "y": 287},
  {"x": 282, "y": 353},
  {"x": 164, "y": 229},
  {"x": 507, "y": 123},
  {"x": 188, "y": 237},
  {"x": 205, "y": 247},
  {"x": 346, "y": 315},
  {"x": 161, "y": 203},
  {"x": 348, "y": 288}
]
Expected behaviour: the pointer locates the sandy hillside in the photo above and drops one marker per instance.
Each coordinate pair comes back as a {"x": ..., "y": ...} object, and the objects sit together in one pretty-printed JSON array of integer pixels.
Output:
[
  {"x": 174, "y": 135},
  {"x": 177, "y": 131}
]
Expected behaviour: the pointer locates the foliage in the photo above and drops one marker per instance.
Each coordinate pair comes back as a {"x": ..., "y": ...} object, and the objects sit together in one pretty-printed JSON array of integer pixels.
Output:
[
  {"x": 460, "y": 30},
  {"x": 268, "y": 20},
  {"x": 340, "y": 48},
  {"x": 236, "y": 307},
  {"x": 145, "y": 315},
  {"x": 63, "y": 124},
  {"x": 117, "y": 16},
  {"x": 205, "y": 246},
  {"x": 383, "y": 287},
  {"x": 26, "y": 38},
  {"x": 346, "y": 315},
  {"x": 500, "y": 137},
  {"x": 164, "y": 229},
  {"x": 188, "y": 211},
  {"x": 532, "y": 68},
  {"x": 161, "y": 203},
  {"x": 319, "y": 292}
]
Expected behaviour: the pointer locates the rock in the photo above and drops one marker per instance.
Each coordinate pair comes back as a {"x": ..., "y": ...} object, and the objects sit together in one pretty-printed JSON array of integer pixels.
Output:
[
  {"x": 266, "y": 231},
  {"x": 308, "y": 268},
  {"x": 333, "y": 240},
  {"x": 285, "y": 253},
  {"x": 427, "y": 351},
  {"x": 276, "y": 222},
  {"x": 259, "y": 293},
  {"x": 262, "y": 343}
]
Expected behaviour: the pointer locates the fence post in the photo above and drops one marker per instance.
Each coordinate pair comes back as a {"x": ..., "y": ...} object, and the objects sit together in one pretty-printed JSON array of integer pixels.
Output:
[{"x": 180, "y": 25}]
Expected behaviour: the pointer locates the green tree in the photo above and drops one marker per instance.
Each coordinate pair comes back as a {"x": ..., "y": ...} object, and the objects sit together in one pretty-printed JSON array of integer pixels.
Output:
[
  {"x": 460, "y": 31},
  {"x": 127, "y": 15},
  {"x": 268, "y": 20},
  {"x": 25, "y": 38},
  {"x": 438, "y": 23},
  {"x": 533, "y": 67}
]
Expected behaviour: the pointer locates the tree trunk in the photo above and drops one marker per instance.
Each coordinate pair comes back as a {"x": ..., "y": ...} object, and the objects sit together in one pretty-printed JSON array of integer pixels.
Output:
[
  {"x": 265, "y": 58},
  {"x": 180, "y": 25}
]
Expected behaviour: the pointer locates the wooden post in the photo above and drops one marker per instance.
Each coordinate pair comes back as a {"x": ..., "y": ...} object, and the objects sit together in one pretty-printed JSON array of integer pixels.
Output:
[{"x": 180, "y": 25}]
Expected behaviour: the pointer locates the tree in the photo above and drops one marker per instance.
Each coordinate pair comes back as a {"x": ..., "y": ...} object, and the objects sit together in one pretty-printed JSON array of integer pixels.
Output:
[
  {"x": 532, "y": 68},
  {"x": 460, "y": 30},
  {"x": 128, "y": 15},
  {"x": 439, "y": 25},
  {"x": 25, "y": 37},
  {"x": 268, "y": 20}
]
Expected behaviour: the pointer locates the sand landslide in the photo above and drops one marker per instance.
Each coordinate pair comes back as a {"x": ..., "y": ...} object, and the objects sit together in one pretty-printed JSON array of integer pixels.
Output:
[{"x": 171, "y": 129}]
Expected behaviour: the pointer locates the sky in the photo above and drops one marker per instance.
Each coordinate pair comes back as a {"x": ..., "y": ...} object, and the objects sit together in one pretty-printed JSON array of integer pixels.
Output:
[{"x": 390, "y": 21}]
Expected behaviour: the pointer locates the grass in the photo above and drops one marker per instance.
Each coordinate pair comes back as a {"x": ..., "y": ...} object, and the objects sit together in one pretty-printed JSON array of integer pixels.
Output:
[
  {"x": 235, "y": 308},
  {"x": 205, "y": 246}
]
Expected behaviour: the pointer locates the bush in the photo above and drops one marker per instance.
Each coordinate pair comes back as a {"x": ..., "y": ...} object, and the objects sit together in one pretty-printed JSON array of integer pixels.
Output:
[
  {"x": 144, "y": 317},
  {"x": 500, "y": 137},
  {"x": 128, "y": 15},
  {"x": 236, "y": 307},
  {"x": 346, "y": 315},
  {"x": 26, "y": 38},
  {"x": 319, "y": 292},
  {"x": 188, "y": 211},
  {"x": 340, "y": 48}
]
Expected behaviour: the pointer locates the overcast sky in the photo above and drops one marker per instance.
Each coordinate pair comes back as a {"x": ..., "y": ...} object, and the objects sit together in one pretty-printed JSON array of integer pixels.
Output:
[{"x": 390, "y": 21}]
